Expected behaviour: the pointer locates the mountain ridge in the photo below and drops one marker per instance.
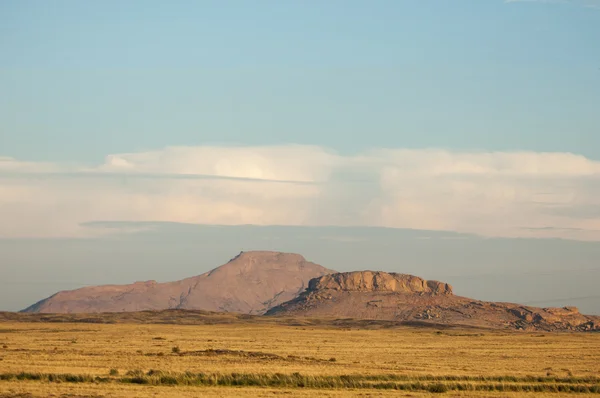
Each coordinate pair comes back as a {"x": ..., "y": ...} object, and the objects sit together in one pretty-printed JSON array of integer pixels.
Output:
[
  {"x": 286, "y": 284},
  {"x": 251, "y": 283}
]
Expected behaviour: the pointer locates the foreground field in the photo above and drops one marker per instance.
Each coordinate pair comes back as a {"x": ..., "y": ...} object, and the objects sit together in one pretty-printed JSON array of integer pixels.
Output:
[{"x": 256, "y": 359}]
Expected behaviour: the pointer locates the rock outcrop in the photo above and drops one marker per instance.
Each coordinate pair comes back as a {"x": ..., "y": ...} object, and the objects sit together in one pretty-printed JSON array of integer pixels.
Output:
[
  {"x": 370, "y": 281},
  {"x": 407, "y": 298},
  {"x": 250, "y": 283}
]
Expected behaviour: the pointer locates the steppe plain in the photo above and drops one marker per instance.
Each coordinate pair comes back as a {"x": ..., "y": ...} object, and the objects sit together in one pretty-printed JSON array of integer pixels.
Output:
[{"x": 180, "y": 353}]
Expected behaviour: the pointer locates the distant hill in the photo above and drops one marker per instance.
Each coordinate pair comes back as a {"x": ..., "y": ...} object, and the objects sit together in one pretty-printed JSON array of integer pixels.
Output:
[
  {"x": 273, "y": 283},
  {"x": 405, "y": 298},
  {"x": 250, "y": 283}
]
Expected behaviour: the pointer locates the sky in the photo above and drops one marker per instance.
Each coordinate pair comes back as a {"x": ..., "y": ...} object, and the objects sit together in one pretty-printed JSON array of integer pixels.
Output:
[{"x": 476, "y": 117}]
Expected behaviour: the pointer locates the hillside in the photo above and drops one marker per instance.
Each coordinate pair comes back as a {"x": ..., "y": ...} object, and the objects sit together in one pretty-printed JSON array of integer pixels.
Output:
[
  {"x": 405, "y": 298},
  {"x": 250, "y": 283}
]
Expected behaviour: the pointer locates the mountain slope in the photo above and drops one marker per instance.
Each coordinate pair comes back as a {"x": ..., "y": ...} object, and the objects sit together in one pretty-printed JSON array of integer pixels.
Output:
[
  {"x": 400, "y": 297},
  {"x": 250, "y": 283}
]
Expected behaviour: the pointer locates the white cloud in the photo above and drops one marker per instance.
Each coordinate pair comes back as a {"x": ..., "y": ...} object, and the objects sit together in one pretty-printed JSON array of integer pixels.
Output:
[
  {"x": 284, "y": 163},
  {"x": 507, "y": 194}
]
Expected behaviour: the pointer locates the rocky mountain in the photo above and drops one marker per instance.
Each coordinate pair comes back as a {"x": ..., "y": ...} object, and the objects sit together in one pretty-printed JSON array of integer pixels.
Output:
[
  {"x": 274, "y": 283},
  {"x": 400, "y": 297},
  {"x": 250, "y": 283}
]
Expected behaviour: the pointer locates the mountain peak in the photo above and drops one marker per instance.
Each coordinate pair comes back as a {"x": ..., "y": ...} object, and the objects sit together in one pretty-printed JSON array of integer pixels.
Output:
[
  {"x": 255, "y": 263},
  {"x": 265, "y": 255}
]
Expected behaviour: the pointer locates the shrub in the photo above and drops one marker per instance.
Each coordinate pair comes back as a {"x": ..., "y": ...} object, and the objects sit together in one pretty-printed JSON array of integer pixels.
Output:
[
  {"x": 437, "y": 388},
  {"x": 137, "y": 380},
  {"x": 75, "y": 378},
  {"x": 168, "y": 380},
  {"x": 175, "y": 350},
  {"x": 113, "y": 372}
]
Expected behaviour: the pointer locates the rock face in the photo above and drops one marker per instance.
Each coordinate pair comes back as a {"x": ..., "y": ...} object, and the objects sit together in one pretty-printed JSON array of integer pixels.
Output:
[
  {"x": 250, "y": 283},
  {"x": 406, "y": 298},
  {"x": 369, "y": 281}
]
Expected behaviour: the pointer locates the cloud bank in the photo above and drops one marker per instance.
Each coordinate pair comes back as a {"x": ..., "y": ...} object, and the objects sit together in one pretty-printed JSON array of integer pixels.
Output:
[{"x": 496, "y": 194}]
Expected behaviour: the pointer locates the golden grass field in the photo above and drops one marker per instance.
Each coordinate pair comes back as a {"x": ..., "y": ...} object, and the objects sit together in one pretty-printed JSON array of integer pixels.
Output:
[{"x": 255, "y": 360}]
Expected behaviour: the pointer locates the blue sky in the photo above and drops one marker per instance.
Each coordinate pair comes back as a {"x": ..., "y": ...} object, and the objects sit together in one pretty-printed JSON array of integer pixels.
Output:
[
  {"x": 81, "y": 80},
  {"x": 477, "y": 117}
]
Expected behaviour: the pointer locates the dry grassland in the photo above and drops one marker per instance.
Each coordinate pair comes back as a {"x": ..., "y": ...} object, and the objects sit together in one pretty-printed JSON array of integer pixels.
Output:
[{"x": 269, "y": 360}]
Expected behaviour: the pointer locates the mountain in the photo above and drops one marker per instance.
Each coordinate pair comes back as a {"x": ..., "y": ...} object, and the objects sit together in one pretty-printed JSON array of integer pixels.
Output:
[
  {"x": 250, "y": 283},
  {"x": 400, "y": 297}
]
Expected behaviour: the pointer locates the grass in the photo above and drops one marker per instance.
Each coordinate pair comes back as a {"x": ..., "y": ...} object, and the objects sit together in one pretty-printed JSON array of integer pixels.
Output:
[
  {"x": 318, "y": 360},
  {"x": 430, "y": 384},
  {"x": 23, "y": 389}
]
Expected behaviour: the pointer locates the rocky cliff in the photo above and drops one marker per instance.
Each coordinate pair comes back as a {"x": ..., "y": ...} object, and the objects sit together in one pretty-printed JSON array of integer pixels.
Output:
[{"x": 370, "y": 281}]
